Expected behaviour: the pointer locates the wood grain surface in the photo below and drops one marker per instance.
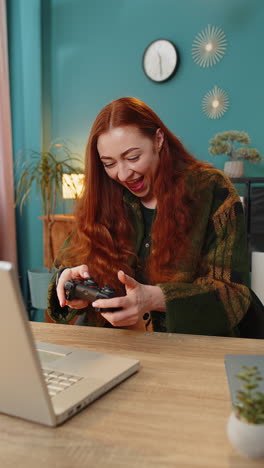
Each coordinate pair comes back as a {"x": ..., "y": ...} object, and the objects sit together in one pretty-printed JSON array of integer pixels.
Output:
[{"x": 172, "y": 413}]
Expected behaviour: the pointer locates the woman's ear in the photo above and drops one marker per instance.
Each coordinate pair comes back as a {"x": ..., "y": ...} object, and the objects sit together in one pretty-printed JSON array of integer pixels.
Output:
[{"x": 159, "y": 138}]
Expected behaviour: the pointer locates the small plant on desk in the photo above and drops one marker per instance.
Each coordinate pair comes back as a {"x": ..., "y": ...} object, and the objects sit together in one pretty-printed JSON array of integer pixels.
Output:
[
  {"x": 245, "y": 426},
  {"x": 250, "y": 406}
]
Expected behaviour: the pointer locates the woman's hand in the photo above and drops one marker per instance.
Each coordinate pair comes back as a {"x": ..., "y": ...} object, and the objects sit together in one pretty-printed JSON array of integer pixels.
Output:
[
  {"x": 139, "y": 299},
  {"x": 76, "y": 273}
]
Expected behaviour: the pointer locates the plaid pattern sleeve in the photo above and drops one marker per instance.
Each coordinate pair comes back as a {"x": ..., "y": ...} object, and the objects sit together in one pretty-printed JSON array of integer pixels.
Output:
[
  {"x": 57, "y": 313},
  {"x": 213, "y": 301},
  {"x": 65, "y": 314}
]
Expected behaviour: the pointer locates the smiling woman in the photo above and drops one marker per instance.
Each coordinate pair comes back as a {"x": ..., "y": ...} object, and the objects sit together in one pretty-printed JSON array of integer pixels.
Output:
[
  {"x": 160, "y": 227},
  {"x": 132, "y": 160}
]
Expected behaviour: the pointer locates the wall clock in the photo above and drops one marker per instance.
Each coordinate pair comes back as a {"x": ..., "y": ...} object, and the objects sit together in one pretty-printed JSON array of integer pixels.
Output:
[{"x": 160, "y": 60}]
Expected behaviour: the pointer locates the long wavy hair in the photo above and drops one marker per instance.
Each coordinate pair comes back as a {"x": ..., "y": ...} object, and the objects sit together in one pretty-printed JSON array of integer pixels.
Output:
[{"x": 103, "y": 238}]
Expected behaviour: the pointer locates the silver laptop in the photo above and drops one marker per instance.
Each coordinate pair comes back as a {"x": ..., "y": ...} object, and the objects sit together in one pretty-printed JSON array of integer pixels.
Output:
[{"x": 42, "y": 382}]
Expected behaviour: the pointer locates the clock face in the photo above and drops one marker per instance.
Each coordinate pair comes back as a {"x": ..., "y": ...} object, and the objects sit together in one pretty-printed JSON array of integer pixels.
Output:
[{"x": 160, "y": 60}]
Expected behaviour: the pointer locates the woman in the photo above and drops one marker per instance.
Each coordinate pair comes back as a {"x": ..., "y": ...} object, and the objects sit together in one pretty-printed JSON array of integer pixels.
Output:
[{"x": 164, "y": 230}]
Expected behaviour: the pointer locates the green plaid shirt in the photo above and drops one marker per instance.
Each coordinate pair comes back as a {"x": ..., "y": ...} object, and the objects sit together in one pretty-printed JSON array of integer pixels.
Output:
[{"x": 210, "y": 293}]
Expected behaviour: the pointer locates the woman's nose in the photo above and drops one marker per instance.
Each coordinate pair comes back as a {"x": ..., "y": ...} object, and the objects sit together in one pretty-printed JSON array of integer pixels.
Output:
[{"x": 123, "y": 172}]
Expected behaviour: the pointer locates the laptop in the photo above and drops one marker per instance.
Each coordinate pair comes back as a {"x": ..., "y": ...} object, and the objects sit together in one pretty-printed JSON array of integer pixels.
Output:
[
  {"x": 42, "y": 382},
  {"x": 233, "y": 365}
]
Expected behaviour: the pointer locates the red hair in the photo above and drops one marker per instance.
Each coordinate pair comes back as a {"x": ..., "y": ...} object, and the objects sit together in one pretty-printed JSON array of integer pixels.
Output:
[{"x": 104, "y": 235}]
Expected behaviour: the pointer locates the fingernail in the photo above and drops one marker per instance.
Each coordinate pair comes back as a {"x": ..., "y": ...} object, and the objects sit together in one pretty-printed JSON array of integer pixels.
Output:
[
  {"x": 85, "y": 275},
  {"x": 94, "y": 304}
]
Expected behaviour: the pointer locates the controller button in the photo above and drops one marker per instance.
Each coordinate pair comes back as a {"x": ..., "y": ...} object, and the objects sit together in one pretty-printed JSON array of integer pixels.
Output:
[
  {"x": 90, "y": 282},
  {"x": 107, "y": 289}
]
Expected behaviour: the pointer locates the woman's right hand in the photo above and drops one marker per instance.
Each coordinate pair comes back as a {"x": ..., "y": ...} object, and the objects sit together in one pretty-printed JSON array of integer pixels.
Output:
[{"x": 76, "y": 273}]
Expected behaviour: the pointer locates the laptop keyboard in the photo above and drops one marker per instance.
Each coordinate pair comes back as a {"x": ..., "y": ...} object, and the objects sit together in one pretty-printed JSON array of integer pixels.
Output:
[{"x": 58, "y": 381}]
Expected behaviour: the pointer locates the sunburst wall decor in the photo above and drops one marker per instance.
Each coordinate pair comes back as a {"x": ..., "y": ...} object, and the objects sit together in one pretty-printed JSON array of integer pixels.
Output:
[
  {"x": 215, "y": 103},
  {"x": 209, "y": 46}
]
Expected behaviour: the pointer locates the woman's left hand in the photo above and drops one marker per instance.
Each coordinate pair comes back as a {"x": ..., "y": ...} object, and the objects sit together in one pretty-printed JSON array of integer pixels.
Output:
[{"x": 139, "y": 299}]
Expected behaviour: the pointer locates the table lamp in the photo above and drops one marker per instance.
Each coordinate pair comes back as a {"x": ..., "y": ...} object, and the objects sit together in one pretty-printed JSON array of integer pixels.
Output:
[{"x": 72, "y": 185}]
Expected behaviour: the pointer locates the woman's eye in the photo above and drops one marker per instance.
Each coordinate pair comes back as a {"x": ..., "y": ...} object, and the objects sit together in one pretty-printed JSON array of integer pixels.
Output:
[
  {"x": 108, "y": 165},
  {"x": 133, "y": 158}
]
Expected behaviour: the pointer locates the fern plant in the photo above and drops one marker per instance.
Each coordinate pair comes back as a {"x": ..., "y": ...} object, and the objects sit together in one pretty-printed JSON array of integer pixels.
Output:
[
  {"x": 227, "y": 143},
  {"x": 250, "y": 401},
  {"x": 45, "y": 170}
]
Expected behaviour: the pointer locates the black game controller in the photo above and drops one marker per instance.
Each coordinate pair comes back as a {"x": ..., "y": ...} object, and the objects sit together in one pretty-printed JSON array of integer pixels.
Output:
[{"x": 88, "y": 290}]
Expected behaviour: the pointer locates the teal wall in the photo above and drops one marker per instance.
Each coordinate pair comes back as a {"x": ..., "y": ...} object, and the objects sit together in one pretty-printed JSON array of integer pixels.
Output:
[
  {"x": 96, "y": 53},
  {"x": 68, "y": 58},
  {"x": 24, "y": 31}
]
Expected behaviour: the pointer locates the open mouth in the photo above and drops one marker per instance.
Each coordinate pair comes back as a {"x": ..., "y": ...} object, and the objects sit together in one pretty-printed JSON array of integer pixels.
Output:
[{"x": 136, "y": 185}]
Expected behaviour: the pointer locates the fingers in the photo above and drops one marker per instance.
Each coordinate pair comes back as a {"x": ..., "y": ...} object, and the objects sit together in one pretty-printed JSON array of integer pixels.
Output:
[
  {"x": 116, "y": 302},
  {"x": 129, "y": 315},
  {"x": 79, "y": 272},
  {"x": 65, "y": 276},
  {"x": 128, "y": 281},
  {"x": 77, "y": 304},
  {"x": 120, "y": 319}
]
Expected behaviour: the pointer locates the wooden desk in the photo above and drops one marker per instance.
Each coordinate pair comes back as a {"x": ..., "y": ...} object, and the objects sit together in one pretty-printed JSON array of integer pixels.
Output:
[{"x": 172, "y": 413}]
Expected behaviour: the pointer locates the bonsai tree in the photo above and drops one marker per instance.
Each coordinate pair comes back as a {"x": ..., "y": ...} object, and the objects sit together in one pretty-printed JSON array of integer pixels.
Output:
[
  {"x": 250, "y": 406},
  {"x": 46, "y": 169},
  {"x": 225, "y": 143}
]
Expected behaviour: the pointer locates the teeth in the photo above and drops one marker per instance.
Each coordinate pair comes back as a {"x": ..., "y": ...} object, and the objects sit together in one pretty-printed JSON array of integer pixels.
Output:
[{"x": 133, "y": 182}]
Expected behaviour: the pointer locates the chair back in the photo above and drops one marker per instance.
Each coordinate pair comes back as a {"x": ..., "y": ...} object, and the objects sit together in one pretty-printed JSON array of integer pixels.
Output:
[{"x": 252, "y": 324}]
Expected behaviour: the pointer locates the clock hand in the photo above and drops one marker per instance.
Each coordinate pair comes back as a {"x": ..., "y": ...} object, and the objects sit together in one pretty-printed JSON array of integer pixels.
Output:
[{"x": 160, "y": 64}]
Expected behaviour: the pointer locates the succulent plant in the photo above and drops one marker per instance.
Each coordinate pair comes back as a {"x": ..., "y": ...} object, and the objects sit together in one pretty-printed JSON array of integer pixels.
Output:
[
  {"x": 225, "y": 143},
  {"x": 250, "y": 401}
]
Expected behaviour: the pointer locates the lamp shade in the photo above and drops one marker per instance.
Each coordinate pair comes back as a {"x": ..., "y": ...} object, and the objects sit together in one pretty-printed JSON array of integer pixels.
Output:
[{"x": 72, "y": 185}]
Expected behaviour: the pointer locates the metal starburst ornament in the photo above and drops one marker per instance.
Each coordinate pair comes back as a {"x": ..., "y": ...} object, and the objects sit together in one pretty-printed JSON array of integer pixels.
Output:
[
  {"x": 215, "y": 103},
  {"x": 209, "y": 46}
]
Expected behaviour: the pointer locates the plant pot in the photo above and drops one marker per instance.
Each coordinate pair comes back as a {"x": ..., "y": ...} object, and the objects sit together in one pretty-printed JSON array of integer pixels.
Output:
[
  {"x": 234, "y": 168},
  {"x": 39, "y": 280},
  {"x": 246, "y": 438}
]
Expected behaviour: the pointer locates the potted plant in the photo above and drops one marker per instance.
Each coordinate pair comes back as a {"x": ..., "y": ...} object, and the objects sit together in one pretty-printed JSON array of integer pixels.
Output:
[
  {"x": 245, "y": 428},
  {"x": 226, "y": 143},
  {"x": 45, "y": 170}
]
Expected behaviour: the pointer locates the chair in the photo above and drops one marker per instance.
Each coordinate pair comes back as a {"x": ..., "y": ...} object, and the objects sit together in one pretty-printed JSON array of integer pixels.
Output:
[{"x": 252, "y": 324}]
